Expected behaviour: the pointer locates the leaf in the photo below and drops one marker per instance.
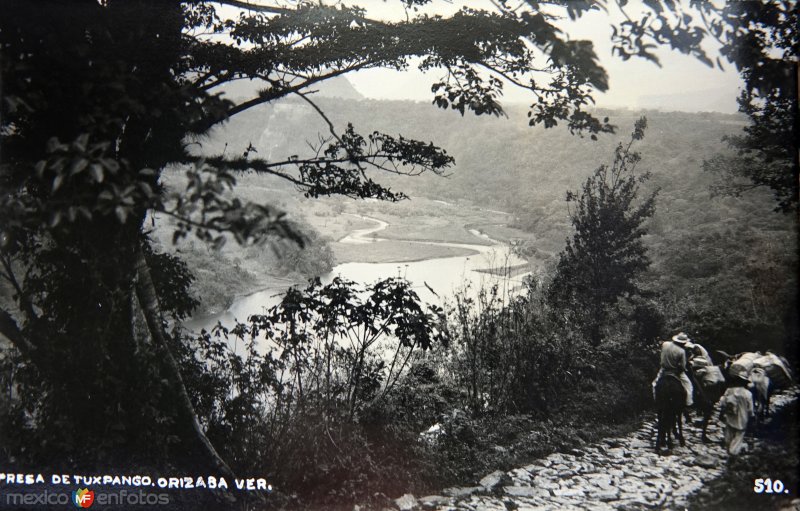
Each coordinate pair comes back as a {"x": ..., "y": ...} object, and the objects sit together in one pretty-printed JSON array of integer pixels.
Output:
[
  {"x": 218, "y": 242},
  {"x": 122, "y": 213},
  {"x": 39, "y": 168},
  {"x": 84, "y": 211},
  {"x": 55, "y": 219},
  {"x": 146, "y": 189},
  {"x": 78, "y": 166},
  {"x": 58, "y": 181},
  {"x": 53, "y": 145},
  {"x": 81, "y": 142},
  {"x": 96, "y": 171},
  {"x": 111, "y": 165}
]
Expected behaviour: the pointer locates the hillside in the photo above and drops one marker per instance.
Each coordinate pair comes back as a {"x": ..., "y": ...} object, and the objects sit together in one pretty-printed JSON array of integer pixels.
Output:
[{"x": 719, "y": 262}]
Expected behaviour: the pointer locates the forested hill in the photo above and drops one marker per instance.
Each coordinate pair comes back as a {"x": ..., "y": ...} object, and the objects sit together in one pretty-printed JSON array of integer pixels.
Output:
[
  {"x": 500, "y": 162},
  {"x": 724, "y": 266}
]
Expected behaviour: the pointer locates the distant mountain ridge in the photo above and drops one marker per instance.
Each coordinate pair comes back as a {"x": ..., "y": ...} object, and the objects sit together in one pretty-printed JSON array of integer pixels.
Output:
[{"x": 709, "y": 100}]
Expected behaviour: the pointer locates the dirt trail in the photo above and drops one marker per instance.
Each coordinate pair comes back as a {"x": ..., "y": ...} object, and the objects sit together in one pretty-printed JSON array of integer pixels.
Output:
[{"x": 615, "y": 474}]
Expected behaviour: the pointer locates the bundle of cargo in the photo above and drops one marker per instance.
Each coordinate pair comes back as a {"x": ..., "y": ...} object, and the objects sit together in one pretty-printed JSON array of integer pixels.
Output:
[
  {"x": 743, "y": 364},
  {"x": 708, "y": 376},
  {"x": 699, "y": 362},
  {"x": 776, "y": 368}
]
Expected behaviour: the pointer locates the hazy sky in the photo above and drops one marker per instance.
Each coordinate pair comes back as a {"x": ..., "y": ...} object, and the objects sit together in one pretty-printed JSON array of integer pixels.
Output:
[{"x": 681, "y": 83}]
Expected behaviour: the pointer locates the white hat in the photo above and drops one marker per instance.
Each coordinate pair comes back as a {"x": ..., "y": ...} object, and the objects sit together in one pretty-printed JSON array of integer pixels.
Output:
[{"x": 682, "y": 339}]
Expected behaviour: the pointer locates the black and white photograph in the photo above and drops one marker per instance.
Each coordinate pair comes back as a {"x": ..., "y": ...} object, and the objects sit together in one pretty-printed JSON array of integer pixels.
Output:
[{"x": 399, "y": 255}]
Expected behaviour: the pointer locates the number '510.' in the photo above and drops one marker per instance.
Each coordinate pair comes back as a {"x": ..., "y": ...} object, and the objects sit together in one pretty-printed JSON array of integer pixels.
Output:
[{"x": 769, "y": 486}]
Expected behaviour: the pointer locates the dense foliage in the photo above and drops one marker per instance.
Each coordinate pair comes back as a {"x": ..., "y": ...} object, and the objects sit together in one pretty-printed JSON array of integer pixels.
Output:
[
  {"x": 291, "y": 397},
  {"x": 767, "y": 149}
]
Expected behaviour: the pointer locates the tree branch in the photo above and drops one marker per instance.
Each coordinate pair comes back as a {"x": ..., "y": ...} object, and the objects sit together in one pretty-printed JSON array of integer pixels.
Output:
[
  {"x": 271, "y": 9},
  {"x": 331, "y": 127},
  {"x": 208, "y": 123}
]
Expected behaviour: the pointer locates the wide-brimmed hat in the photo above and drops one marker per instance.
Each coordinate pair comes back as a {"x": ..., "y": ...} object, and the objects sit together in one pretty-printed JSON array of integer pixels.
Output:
[{"x": 682, "y": 339}]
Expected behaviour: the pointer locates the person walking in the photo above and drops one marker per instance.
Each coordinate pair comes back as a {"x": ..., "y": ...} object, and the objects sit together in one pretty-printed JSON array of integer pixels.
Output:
[{"x": 736, "y": 409}]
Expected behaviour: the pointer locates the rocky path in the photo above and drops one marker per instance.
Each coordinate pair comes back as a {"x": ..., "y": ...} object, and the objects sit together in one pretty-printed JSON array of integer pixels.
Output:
[{"x": 615, "y": 474}]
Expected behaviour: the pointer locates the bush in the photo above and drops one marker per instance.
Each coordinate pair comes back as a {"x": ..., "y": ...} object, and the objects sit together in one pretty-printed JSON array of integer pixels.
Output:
[
  {"x": 329, "y": 419},
  {"x": 509, "y": 356}
]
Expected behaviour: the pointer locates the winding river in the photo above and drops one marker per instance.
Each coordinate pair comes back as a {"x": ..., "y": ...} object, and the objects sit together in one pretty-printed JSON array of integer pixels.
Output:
[{"x": 433, "y": 279}]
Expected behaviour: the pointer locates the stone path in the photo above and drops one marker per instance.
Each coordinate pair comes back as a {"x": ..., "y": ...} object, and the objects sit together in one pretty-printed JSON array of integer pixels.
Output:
[{"x": 615, "y": 474}]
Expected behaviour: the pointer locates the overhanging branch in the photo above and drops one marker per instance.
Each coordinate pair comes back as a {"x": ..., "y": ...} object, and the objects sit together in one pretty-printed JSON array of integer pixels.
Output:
[{"x": 272, "y": 95}]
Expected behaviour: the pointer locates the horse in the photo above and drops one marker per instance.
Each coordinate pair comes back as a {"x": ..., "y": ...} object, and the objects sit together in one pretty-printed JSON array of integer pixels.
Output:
[
  {"x": 670, "y": 402},
  {"x": 709, "y": 385}
]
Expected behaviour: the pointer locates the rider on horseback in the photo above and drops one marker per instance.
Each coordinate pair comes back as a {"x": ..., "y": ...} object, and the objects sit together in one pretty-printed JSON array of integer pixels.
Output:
[{"x": 673, "y": 362}]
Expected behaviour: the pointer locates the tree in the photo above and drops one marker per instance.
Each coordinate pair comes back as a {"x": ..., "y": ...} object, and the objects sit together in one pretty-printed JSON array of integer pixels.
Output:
[
  {"x": 761, "y": 40},
  {"x": 767, "y": 151},
  {"x": 100, "y": 97},
  {"x": 605, "y": 258},
  {"x": 345, "y": 321}
]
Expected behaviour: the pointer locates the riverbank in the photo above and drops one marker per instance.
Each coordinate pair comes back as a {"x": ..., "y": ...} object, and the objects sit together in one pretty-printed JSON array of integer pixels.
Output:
[
  {"x": 415, "y": 230},
  {"x": 222, "y": 276}
]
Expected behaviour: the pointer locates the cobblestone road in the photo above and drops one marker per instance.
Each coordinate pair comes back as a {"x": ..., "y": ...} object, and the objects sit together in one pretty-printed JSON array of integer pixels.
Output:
[{"x": 615, "y": 474}]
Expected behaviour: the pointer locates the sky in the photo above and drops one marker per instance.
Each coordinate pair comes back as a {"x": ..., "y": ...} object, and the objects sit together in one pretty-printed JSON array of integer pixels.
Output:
[{"x": 681, "y": 83}]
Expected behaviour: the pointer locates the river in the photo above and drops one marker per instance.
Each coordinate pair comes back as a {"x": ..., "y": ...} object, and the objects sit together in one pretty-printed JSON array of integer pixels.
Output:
[{"x": 443, "y": 275}]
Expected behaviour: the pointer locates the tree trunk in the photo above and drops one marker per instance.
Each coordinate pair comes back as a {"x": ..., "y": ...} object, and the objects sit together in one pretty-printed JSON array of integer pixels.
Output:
[
  {"x": 11, "y": 331},
  {"x": 146, "y": 294}
]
